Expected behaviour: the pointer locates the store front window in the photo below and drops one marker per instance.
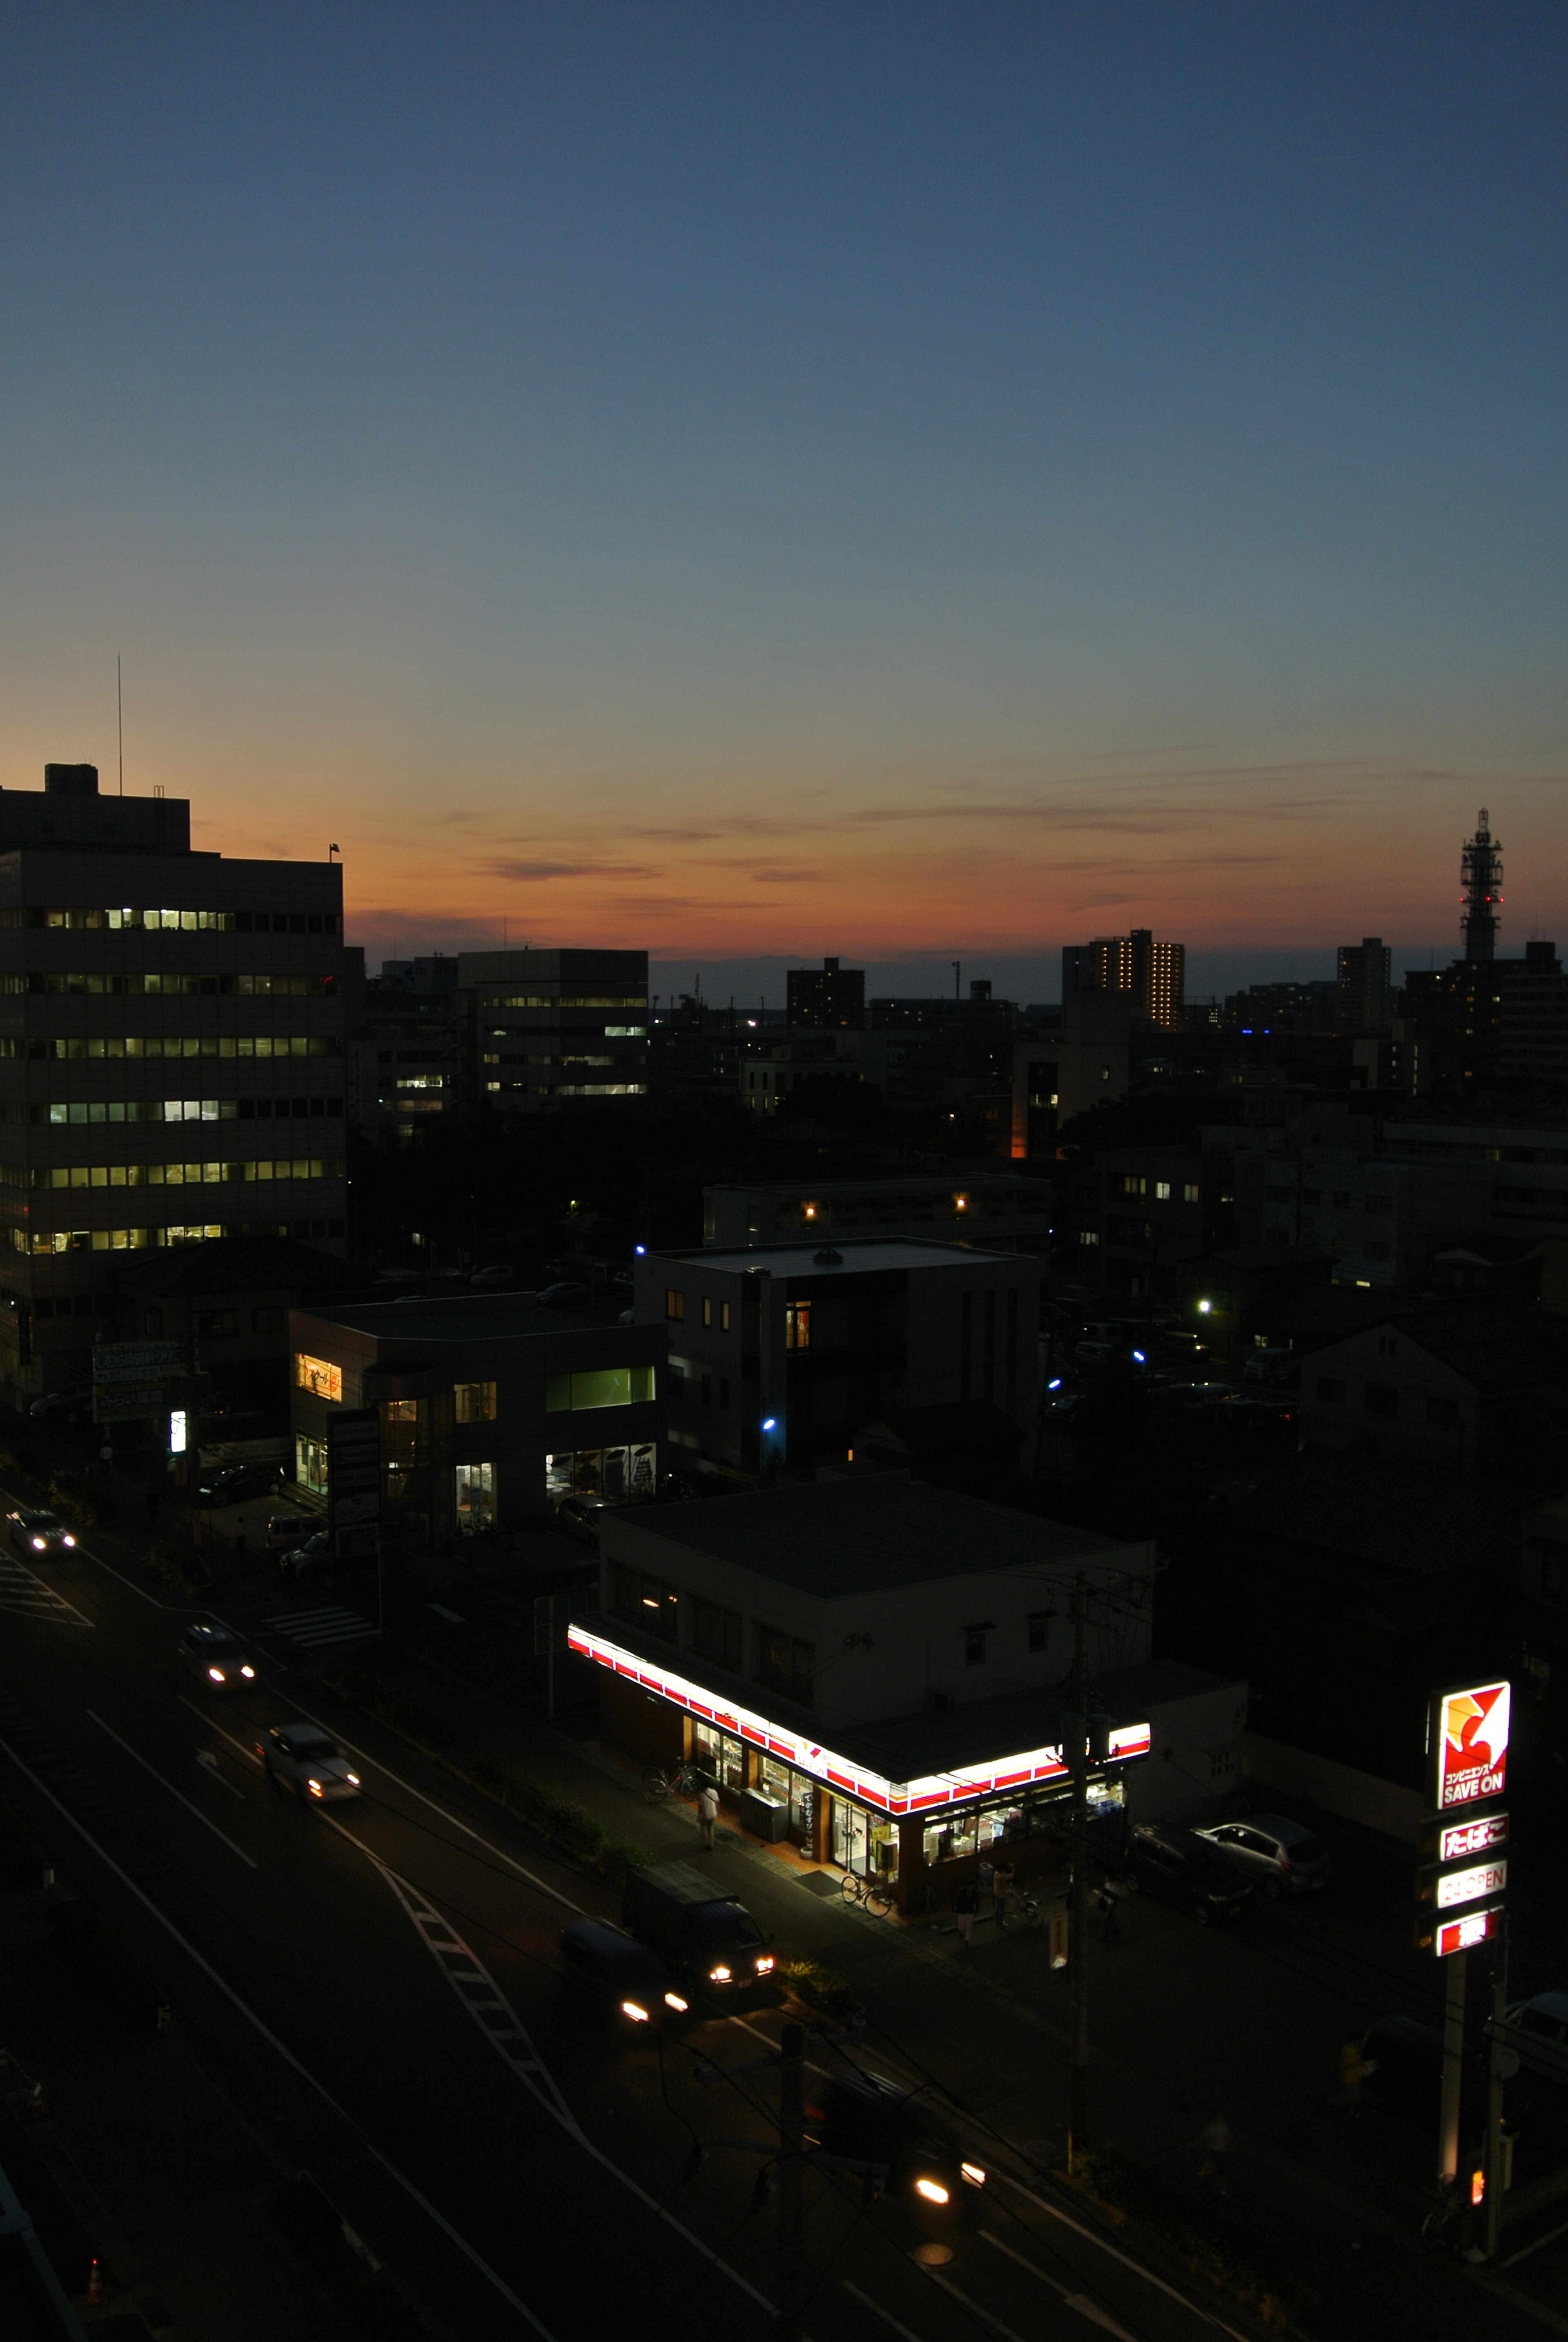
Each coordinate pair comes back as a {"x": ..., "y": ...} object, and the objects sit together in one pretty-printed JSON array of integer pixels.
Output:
[
  {"x": 475, "y": 1498},
  {"x": 721, "y": 1755},
  {"x": 864, "y": 1843},
  {"x": 795, "y": 1790},
  {"x": 310, "y": 1462}
]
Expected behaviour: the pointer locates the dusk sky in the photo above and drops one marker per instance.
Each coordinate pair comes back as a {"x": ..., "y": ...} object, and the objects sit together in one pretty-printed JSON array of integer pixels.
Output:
[{"x": 761, "y": 481}]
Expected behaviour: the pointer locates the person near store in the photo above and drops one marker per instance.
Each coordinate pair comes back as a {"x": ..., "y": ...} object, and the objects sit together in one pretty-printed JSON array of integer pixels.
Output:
[
  {"x": 707, "y": 1814},
  {"x": 1001, "y": 1878},
  {"x": 965, "y": 1903}
]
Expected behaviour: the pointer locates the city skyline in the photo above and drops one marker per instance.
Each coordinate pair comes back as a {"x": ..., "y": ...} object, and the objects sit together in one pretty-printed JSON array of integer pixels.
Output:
[{"x": 753, "y": 486}]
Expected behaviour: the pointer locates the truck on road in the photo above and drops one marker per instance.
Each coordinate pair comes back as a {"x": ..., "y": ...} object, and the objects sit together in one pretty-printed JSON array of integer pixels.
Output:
[{"x": 703, "y": 1932}]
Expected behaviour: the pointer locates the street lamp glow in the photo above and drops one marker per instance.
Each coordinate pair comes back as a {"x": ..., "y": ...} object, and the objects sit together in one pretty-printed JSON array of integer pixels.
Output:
[
  {"x": 1204, "y": 1307},
  {"x": 770, "y": 1423}
]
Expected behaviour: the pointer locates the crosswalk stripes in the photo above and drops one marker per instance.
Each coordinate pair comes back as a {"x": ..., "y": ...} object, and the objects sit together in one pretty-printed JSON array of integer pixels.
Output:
[
  {"x": 29, "y": 1597},
  {"x": 318, "y": 1628}
]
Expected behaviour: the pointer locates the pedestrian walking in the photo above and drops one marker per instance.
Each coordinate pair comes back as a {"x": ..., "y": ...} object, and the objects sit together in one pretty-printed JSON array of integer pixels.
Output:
[
  {"x": 1218, "y": 2145},
  {"x": 1107, "y": 1897},
  {"x": 1001, "y": 1878},
  {"x": 1354, "y": 2065},
  {"x": 965, "y": 1903},
  {"x": 707, "y": 1814}
]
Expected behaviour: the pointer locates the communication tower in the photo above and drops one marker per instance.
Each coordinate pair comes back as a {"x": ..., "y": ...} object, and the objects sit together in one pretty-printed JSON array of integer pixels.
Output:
[{"x": 1480, "y": 871}]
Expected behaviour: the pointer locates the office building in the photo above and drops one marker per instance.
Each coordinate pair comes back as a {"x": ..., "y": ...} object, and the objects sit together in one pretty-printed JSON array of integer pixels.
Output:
[
  {"x": 996, "y": 1210},
  {"x": 779, "y": 1354},
  {"x": 490, "y": 1409},
  {"x": 828, "y": 998},
  {"x": 1479, "y": 1022},
  {"x": 1153, "y": 974},
  {"x": 132, "y": 969},
  {"x": 1365, "y": 1001}
]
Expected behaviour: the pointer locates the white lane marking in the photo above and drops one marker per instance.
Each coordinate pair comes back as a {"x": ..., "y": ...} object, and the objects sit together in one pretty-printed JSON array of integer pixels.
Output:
[
  {"x": 477, "y": 1835},
  {"x": 987, "y": 2323},
  {"x": 26, "y": 1595},
  {"x": 247, "y": 1752},
  {"x": 317, "y": 1629},
  {"x": 1525, "y": 2250},
  {"x": 1078, "y": 2301},
  {"x": 209, "y": 1764},
  {"x": 1125, "y": 2258},
  {"x": 271, "y": 2038},
  {"x": 441, "y": 1611},
  {"x": 886, "y": 2316},
  {"x": 141, "y": 1760}
]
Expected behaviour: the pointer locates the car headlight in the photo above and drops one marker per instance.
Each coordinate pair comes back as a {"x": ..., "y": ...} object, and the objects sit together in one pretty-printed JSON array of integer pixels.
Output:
[
  {"x": 719, "y": 1975},
  {"x": 315, "y": 1788},
  {"x": 216, "y": 1673},
  {"x": 630, "y": 2009},
  {"x": 673, "y": 2000},
  {"x": 972, "y": 2172},
  {"x": 68, "y": 1541},
  {"x": 353, "y": 1780},
  {"x": 249, "y": 1674},
  {"x": 931, "y": 2189},
  {"x": 764, "y": 1965},
  {"x": 39, "y": 1544}
]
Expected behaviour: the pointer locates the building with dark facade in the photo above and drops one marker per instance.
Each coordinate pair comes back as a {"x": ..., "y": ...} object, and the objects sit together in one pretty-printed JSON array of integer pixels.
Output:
[
  {"x": 996, "y": 1210},
  {"x": 171, "y": 1056},
  {"x": 828, "y": 998},
  {"x": 1364, "y": 988},
  {"x": 1482, "y": 1021},
  {"x": 490, "y": 1409}
]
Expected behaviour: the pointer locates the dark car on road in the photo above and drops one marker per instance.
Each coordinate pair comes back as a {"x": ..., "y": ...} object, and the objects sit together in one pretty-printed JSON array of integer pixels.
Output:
[
  {"x": 238, "y": 1484},
  {"x": 310, "y": 1559},
  {"x": 1179, "y": 1868},
  {"x": 218, "y": 1657},
  {"x": 580, "y": 1517},
  {"x": 38, "y": 1531},
  {"x": 608, "y": 1971},
  {"x": 905, "y": 2145},
  {"x": 1282, "y": 1857}
]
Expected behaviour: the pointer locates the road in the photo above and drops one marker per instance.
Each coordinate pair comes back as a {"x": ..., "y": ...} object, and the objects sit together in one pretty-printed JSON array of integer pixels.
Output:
[{"x": 376, "y": 1986}]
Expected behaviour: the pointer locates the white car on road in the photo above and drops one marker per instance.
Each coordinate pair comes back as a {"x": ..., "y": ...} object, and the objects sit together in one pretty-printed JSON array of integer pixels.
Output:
[{"x": 307, "y": 1760}]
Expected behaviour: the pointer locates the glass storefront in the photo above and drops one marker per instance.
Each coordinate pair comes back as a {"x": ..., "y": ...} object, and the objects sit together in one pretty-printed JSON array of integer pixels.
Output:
[
  {"x": 981, "y": 1829},
  {"x": 720, "y": 1755},
  {"x": 865, "y": 1843},
  {"x": 795, "y": 1790},
  {"x": 475, "y": 1493},
  {"x": 600, "y": 1472}
]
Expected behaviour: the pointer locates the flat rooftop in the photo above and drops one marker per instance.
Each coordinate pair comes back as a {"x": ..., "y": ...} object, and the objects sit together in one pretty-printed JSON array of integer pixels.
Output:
[
  {"x": 456, "y": 1317},
  {"x": 858, "y": 1256},
  {"x": 866, "y": 1535}
]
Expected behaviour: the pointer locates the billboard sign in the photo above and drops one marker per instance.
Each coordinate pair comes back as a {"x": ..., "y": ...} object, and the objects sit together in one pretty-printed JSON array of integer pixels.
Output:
[
  {"x": 1466, "y": 1932},
  {"x": 136, "y": 1362},
  {"x": 1446, "y": 1842},
  {"x": 129, "y": 1402},
  {"x": 1467, "y": 1746}
]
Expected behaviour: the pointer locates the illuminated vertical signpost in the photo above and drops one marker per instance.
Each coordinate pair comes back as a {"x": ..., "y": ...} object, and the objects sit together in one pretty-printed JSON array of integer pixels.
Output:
[{"x": 1462, "y": 1877}]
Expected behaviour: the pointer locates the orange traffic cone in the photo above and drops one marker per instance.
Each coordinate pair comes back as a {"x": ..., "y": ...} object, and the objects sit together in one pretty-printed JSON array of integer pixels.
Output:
[{"x": 96, "y": 2285}]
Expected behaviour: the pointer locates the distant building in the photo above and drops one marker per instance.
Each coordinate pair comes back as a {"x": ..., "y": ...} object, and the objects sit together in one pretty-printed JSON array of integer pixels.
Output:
[
  {"x": 995, "y": 1210},
  {"x": 1457, "y": 1389},
  {"x": 779, "y": 1353},
  {"x": 1365, "y": 993},
  {"x": 1265, "y": 1010},
  {"x": 826, "y": 998},
  {"x": 132, "y": 968},
  {"x": 1065, "y": 1069},
  {"x": 1153, "y": 974},
  {"x": 1481, "y": 1021}
]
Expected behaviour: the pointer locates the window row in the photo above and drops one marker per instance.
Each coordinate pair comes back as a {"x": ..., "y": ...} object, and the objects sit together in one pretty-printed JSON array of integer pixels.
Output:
[
  {"x": 777, "y": 1659},
  {"x": 78, "y": 1047},
  {"x": 599, "y": 1387},
  {"x": 473, "y": 1485},
  {"x": 239, "y": 923},
  {"x": 569, "y": 1089},
  {"x": 76, "y": 1111},
  {"x": 167, "y": 1174},
  {"x": 37, "y": 1242},
  {"x": 1137, "y": 1182},
  {"x": 565, "y": 1000},
  {"x": 155, "y": 983}
]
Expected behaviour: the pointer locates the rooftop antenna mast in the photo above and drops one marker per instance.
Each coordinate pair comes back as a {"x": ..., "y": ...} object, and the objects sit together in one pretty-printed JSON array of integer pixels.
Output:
[
  {"x": 120, "y": 717},
  {"x": 1481, "y": 873}
]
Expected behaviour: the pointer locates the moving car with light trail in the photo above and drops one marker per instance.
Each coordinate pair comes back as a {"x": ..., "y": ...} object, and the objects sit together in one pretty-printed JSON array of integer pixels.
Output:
[
  {"x": 216, "y": 1656},
  {"x": 899, "y": 2142},
  {"x": 609, "y": 1972},
  {"x": 307, "y": 1760},
  {"x": 38, "y": 1531},
  {"x": 702, "y": 1934}
]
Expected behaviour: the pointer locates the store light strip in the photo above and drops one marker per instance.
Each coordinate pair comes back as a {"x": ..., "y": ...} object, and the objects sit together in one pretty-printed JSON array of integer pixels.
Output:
[{"x": 1031, "y": 1770}]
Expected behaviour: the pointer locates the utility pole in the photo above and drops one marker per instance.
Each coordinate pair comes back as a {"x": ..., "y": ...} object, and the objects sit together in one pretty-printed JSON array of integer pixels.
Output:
[
  {"x": 792, "y": 2151},
  {"x": 1495, "y": 2151},
  {"x": 1453, "y": 2069},
  {"x": 1078, "y": 1757}
]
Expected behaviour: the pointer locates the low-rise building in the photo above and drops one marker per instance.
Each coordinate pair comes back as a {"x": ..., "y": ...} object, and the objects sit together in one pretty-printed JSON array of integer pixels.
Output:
[
  {"x": 779, "y": 1353},
  {"x": 1453, "y": 1389},
  {"x": 885, "y": 1667},
  {"x": 1379, "y": 1220},
  {"x": 997, "y": 1210},
  {"x": 490, "y": 1409}
]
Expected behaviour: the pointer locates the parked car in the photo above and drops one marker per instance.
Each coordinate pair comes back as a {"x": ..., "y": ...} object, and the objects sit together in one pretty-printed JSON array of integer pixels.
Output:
[
  {"x": 284, "y": 1531},
  {"x": 1194, "y": 1398},
  {"x": 1273, "y": 1366},
  {"x": 580, "y": 1517},
  {"x": 914, "y": 2152},
  {"x": 1268, "y": 1419},
  {"x": 556, "y": 1296},
  {"x": 237, "y": 1484},
  {"x": 1538, "y": 2034},
  {"x": 218, "y": 1657},
  {"x": 311, "y": 1560},
  {"x": 608, "y": 1971},
  {"x": 66, "y": 1403},
  {"x": 39, "y": 1532},
  {"x": 1178, "y": 1867},
  {"x": 1280, "y": 1857},
  {"x": 307, "y": 1760},
  {"x": 492, "y": 1278}
]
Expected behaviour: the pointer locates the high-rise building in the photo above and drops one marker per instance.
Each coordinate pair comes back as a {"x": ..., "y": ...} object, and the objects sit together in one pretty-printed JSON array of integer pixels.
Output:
[
  {"x": 132, "y": 969},
  {"x": 828, "y": 997},
  {"x": 1365, "y": 1002},
  {"x": 1155, "y": 974},
  {"x": 542, "y": 1026}
]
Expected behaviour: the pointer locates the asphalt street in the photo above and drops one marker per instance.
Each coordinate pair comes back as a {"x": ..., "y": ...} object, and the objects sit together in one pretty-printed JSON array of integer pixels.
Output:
[{"x": 378, "y": 1985}]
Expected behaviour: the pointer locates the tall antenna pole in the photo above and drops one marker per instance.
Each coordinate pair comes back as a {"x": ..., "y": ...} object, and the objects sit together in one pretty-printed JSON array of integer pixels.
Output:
[{"x": 120, "y": 714}]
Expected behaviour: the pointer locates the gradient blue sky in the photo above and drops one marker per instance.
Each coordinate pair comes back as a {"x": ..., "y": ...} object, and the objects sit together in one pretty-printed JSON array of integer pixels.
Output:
[{"x": 761, "y": 481}]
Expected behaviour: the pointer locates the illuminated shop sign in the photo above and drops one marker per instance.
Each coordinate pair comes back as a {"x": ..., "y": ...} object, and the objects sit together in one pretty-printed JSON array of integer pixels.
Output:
[
  {"x": 1460, "y": 1841},
  {"x": 1032, "y": 1769},
  {"x": 1463, "y": 1934},
  {"x": 1467, "y": 1746}
]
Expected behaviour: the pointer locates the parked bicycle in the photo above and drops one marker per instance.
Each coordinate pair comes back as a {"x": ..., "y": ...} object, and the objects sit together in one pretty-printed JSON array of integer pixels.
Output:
[
  {"x": 658, "y": 1783},
  {"x": 875, "y": 1892},
  {"x": 1022, "y": 1911}
]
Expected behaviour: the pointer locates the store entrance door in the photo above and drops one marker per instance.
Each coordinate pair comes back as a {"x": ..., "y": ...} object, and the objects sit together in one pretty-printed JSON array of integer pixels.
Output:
[{"x": 851, "y": 1847}]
